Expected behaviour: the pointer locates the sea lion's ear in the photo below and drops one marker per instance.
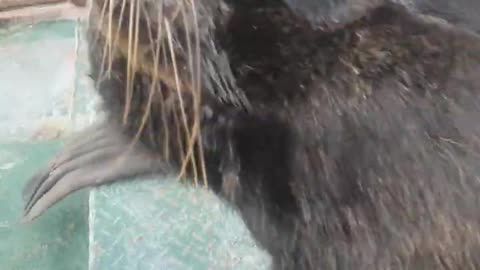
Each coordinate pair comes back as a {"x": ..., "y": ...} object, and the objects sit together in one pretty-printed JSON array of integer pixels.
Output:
[{"x": 332, "y": 14}]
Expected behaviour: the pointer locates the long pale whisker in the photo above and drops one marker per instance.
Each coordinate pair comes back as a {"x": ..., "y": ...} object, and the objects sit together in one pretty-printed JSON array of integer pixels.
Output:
[
  {"x": 192, "y": 140},
  {"x": 130, "y": 67},
  {"x": 196, "y": 86},
  {"x": 179, "y": 95}
]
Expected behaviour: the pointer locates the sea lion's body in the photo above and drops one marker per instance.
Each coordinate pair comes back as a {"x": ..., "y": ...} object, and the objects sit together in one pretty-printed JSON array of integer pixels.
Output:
[{"x": 355, "y": 147}]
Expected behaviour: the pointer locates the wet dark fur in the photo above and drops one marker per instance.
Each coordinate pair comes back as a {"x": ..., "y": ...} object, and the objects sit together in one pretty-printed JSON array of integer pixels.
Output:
[{"x": 360, "y": 145}]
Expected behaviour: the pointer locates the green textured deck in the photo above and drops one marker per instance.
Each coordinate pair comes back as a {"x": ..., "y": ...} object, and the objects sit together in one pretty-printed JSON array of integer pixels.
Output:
[
  {"x": 36, "y": 74},
  {"x": 163, "y": 225},
  {"x": 147, "y": 224},
  {"x": 58, "y": 240}
]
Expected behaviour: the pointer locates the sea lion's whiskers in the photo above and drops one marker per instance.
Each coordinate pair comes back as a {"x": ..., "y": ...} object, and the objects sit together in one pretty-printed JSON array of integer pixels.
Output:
[
  {"x": 155, "y": 49},
  {"x": 131, "y": 66},
  {"x": 196, "y": 84},
  {"x": 190, "y": 145},
  {"x": 194, "y": 92}
]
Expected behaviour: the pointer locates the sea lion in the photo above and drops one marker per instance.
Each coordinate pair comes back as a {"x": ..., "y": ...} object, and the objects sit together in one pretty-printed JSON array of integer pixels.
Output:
[{"x": 344, "y": 145}]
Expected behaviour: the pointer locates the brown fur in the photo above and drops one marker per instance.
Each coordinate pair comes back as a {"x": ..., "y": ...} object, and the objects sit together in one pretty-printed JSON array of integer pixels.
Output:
[{"x": 353, "y": 148}]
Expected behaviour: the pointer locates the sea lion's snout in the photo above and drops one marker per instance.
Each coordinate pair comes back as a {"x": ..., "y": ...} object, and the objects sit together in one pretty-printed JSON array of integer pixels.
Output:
[{"x": 150, "y": 60}]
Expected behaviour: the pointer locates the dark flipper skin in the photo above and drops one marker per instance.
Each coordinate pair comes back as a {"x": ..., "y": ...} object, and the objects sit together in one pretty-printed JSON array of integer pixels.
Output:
[{"x": 96, "y": 156}]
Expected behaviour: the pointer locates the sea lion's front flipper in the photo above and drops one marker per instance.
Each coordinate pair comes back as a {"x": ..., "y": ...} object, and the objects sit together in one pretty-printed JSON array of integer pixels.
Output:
[{"x": 96, "y": 156}]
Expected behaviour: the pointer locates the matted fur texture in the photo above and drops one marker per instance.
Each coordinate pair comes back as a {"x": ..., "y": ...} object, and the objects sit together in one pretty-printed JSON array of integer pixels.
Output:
[{"x": 344, "y": 143}]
